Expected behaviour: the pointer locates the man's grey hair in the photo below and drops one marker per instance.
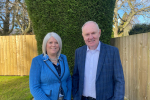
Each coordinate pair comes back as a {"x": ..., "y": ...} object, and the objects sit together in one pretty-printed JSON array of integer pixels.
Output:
[
  {"x": 91, "y": 22},
  {"x": 47, "y": 37}
]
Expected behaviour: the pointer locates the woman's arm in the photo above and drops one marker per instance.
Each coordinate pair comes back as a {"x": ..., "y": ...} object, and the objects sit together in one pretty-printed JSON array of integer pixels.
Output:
[{"x": 34, "y": 81}]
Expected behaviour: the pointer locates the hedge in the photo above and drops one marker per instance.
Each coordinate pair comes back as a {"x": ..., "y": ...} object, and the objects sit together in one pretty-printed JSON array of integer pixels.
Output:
[{"x": 66, "y": 17}]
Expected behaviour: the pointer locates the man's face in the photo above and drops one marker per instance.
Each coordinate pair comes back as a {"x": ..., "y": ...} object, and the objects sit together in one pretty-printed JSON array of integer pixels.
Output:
[{"x": 91, "y": 35}]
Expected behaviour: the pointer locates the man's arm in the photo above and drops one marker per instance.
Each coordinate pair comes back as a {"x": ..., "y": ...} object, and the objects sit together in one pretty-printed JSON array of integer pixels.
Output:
[
  {"x": 75, "y": 78},
  {"x": 119, "y": 88}
]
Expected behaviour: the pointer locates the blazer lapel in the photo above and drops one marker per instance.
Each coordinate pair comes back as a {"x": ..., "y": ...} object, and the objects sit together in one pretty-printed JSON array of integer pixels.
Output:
[
  {"x": 101, "y": 59},
  {"x": 52, "y": 67},
  {"x": 83, "y": 54}
]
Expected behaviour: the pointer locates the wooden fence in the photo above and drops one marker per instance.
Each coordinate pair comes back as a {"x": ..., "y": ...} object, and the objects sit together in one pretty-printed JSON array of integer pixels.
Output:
[
  {"x": 16, "y": 53},
  {"x": 135, "y": 57}
]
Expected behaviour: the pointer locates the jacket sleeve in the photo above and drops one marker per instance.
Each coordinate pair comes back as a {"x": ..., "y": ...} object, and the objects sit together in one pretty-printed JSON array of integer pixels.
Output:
[
  {"x": 75, "y": 79},
  {"x": 119, "y": 88},
  {"x": 34, "y": 81}
]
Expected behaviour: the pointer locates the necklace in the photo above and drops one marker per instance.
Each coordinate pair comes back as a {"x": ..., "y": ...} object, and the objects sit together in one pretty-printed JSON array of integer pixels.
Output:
[{"x": 53, "y": 59}]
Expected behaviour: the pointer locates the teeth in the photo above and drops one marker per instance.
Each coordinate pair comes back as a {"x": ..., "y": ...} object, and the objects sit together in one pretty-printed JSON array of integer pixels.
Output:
[
  {"x": 53, "y": 48},
  {"x": 91, "y": 40}
]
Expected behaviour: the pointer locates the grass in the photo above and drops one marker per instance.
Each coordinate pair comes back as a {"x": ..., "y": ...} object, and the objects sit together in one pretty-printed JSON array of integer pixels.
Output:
[{"x": 14, "y": 88}]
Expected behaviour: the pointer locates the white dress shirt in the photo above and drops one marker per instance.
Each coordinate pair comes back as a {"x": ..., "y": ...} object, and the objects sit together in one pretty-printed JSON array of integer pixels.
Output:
[{"x": 91, "y": 63}]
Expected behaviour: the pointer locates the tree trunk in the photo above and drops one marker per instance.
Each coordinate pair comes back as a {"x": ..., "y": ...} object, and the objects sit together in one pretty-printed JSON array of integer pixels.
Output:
[
  {"x": 115, "y": 22},
  {"x": 6, "y": 21}
]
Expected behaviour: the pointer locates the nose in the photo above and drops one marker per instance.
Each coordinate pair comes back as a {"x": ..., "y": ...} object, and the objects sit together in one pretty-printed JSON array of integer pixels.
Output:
[
  {"x": 90, "y": 36},
  {"x": 53, "y": 44}
]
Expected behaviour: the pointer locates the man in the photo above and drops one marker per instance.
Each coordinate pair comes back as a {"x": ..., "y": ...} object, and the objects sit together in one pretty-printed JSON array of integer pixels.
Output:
[{"x": 98, "y": 73}]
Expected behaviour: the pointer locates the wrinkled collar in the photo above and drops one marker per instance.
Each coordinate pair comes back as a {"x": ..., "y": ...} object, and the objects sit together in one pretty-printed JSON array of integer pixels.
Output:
[{"x": 46, "y": 57}]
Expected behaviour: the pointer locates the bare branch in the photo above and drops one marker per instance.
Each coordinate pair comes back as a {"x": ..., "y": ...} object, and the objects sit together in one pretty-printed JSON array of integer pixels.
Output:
[
  {"x": 121, "y": 18},
  {"x": 12, "y": 25},
  {"x": 2, "y": 18},
  {"x": 132, "y": 8}
]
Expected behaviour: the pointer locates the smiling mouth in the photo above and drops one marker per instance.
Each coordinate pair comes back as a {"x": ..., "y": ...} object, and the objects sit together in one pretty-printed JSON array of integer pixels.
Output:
[
  {"x": 91, "y": 41},
  {"x": 53, "y": 48}
]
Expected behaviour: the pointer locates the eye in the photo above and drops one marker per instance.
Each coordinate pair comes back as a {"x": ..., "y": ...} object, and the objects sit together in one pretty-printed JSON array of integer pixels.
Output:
[
  {"x": 56, "y": 42},
  {"x": 86, "y": 34},
  {"x": 93, "y": 33},
  {"x": 50, "y": 42}
]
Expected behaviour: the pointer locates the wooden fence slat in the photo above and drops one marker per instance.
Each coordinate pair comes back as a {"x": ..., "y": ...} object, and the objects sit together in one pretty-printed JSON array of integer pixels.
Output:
[
  {"x": 123, "y": 62},
  {"x": 21, "y": 56},
  {"x": 15, "y": 55},
  {"x": 139, "y": 54},
  {"x": 18, "y": 55},
  {"x": 28, "y": 53},
  {"x": 11, "y": 55},
  {"x": 121, "y": 50},
  {"x": 13, "y": 58},
  {"x": 144, "y": 67},
  {"x": 127, "y": 68},
  {"x": 148, "y": 69},
  {"x": 5, "y": 56},
  {"x": 24, "y": 55},
  {"x": 130, "y": 62},
  {"x": 134, "y": 71},
  {"x": 1, "y": 56}
]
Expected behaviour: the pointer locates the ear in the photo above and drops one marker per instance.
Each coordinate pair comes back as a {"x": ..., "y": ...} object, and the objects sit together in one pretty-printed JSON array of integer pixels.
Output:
[{"x": 100, "y": 32}]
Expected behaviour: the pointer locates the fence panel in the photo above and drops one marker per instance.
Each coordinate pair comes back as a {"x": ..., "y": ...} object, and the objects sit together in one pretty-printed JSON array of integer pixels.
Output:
[
  {"x": 148, "y": 71},
  {"x": 16, "y": 53},
  {"x": 135, "y": 57}
]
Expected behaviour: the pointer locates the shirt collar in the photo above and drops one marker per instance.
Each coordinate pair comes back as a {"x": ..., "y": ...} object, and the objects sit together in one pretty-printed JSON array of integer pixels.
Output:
[
  {"x": 46, "y": 57},
  {"x": 98, "y": 47}
]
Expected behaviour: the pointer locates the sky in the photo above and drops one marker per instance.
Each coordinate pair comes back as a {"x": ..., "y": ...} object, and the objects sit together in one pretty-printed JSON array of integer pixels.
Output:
[{"x": 144, "y": 20}]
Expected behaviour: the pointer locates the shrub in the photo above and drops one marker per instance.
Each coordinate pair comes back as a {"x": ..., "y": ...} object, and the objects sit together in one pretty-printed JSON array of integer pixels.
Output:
[{"x": 139, "y": 28}]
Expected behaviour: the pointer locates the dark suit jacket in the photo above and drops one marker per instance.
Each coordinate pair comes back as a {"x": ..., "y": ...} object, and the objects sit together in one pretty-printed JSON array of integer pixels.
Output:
[{"x": 109, "y": 77}]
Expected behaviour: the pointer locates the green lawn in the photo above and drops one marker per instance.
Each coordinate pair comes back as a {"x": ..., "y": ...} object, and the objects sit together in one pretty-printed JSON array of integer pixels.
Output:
[{"x": 14, "y": 88}]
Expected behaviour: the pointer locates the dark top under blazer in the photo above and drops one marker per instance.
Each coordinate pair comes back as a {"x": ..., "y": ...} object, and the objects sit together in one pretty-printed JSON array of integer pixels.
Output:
[
  {"x": 110, "y": 84},
  {"x": 44, "y": 84}
]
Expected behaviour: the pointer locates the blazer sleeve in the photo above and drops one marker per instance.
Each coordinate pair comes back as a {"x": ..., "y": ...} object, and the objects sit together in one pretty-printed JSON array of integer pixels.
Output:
[
  {"x": 75, "y": 79},
  {"x": 69, "y": 81},
  {"x": 34, "y": 81},
  {"x": 119, "y": 88}
]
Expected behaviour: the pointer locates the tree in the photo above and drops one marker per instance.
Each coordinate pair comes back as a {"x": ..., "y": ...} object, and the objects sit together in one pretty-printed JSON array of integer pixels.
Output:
[
  {"x": 14, "y": 15},
  {"x": 22, "y": 17},
  {"x": 5, "y": 18},
  {"x": 131, "y": 9}
]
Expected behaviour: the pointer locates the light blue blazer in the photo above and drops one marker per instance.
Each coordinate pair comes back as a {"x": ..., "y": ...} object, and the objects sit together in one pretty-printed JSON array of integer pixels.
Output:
[{"x": 43, "y": 81}]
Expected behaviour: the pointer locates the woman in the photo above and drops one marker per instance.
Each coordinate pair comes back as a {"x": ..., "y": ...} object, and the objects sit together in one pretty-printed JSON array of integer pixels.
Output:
[{"x": 50, "y": 77}]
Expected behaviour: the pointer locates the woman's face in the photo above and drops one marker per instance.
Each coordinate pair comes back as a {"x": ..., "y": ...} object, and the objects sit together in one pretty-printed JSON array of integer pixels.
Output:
[{"x": 52, "y": 46}]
